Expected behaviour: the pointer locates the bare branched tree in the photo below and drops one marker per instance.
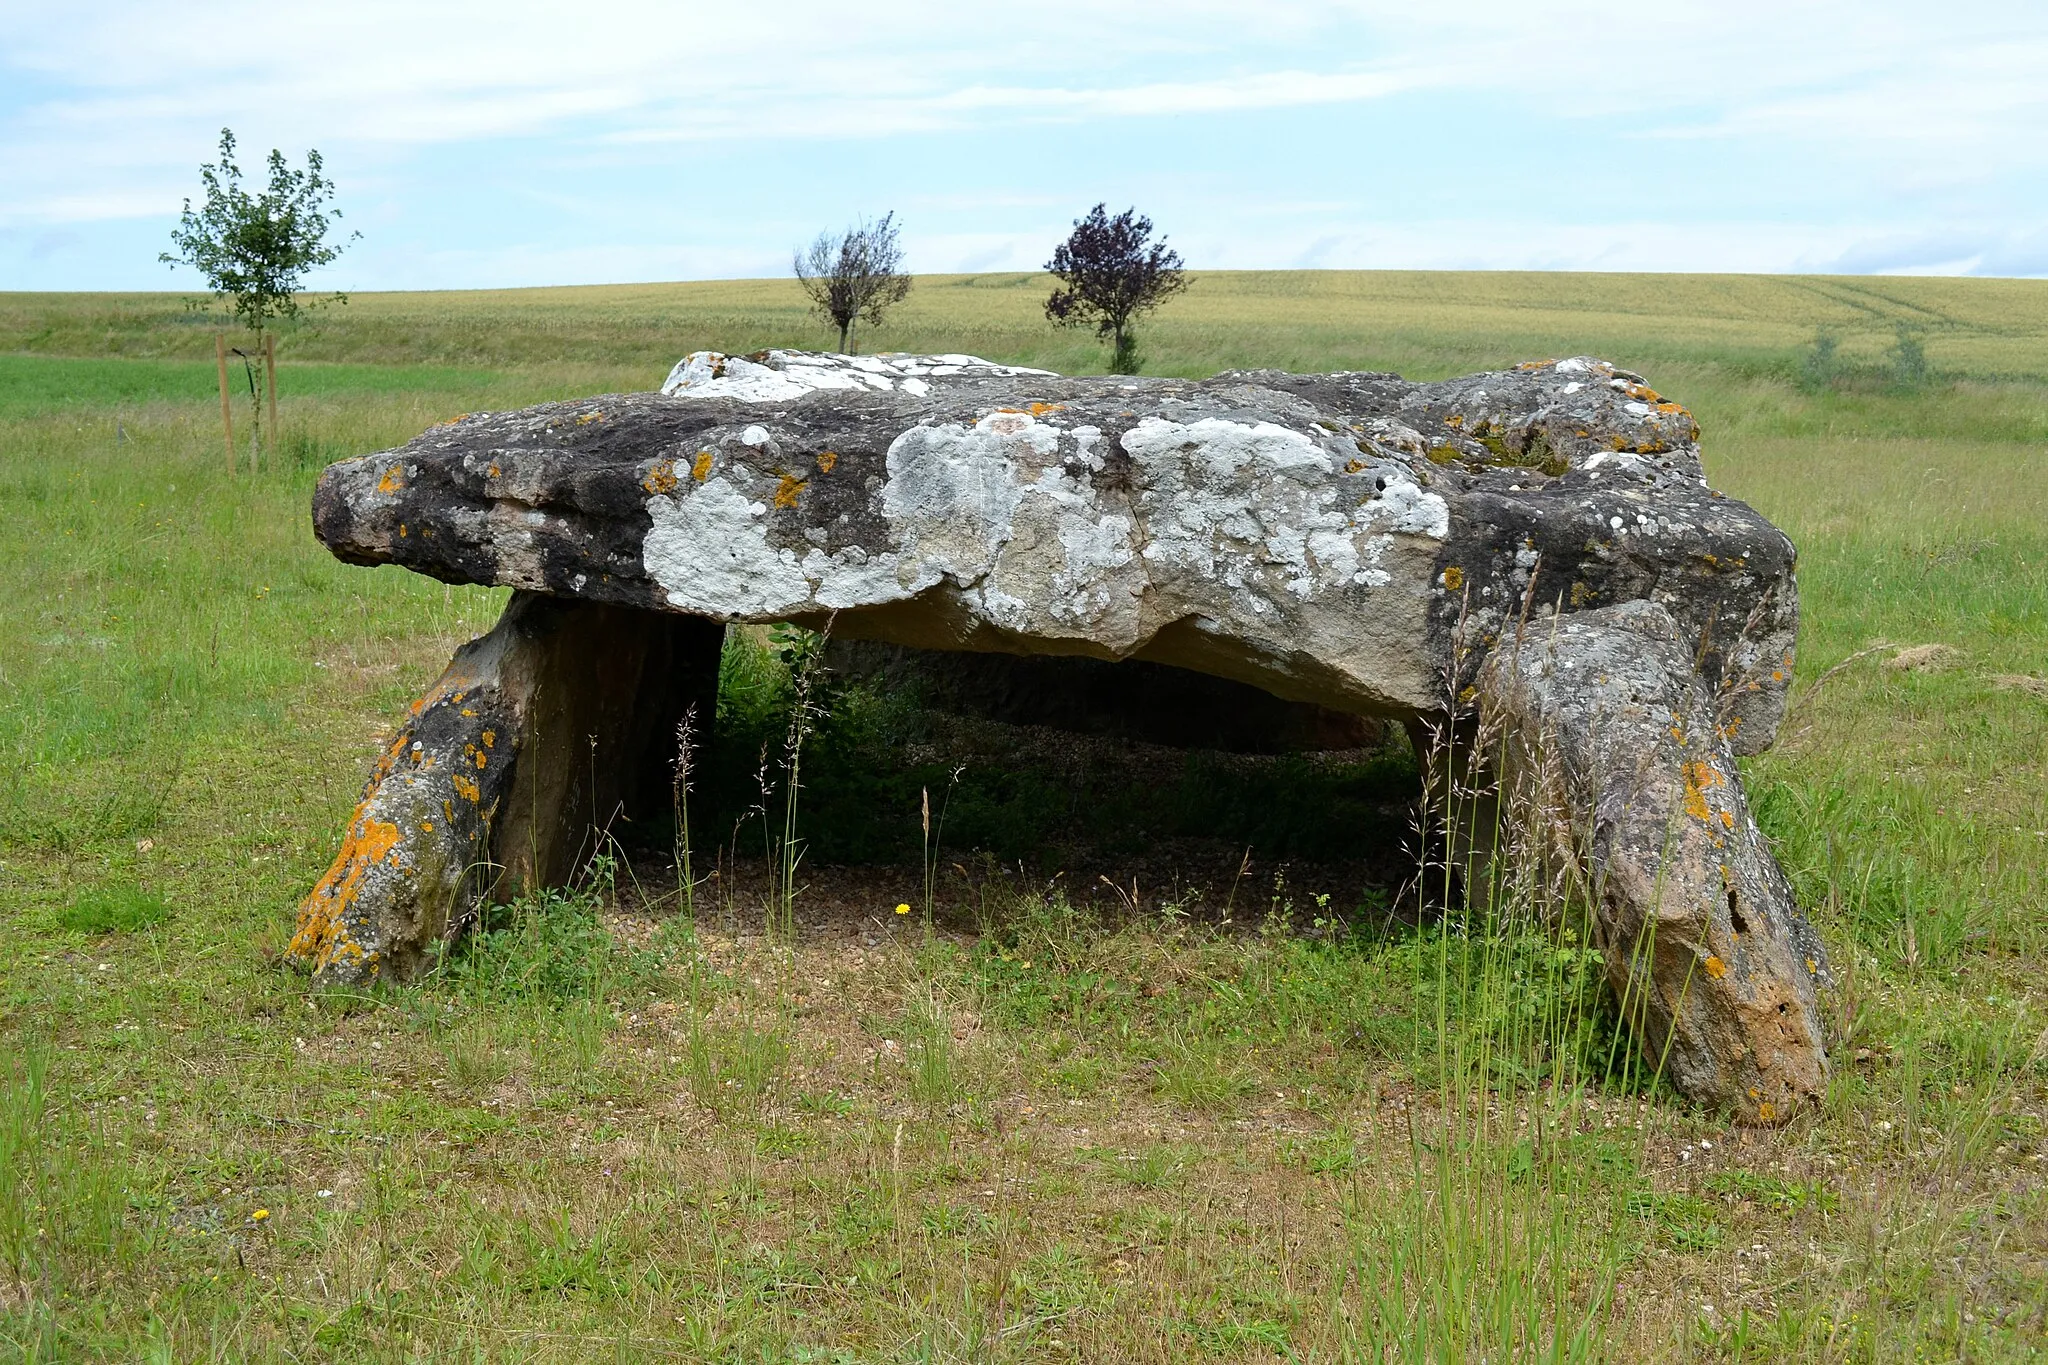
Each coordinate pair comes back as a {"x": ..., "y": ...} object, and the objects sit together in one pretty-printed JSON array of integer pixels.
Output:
[
  {"x": 1110, "y": 270},
  {"x": 854, "y": 276}
]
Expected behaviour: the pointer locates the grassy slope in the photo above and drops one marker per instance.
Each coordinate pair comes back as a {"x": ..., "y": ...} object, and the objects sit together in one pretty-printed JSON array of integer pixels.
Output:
[{"x": 1141, "y": 1144}]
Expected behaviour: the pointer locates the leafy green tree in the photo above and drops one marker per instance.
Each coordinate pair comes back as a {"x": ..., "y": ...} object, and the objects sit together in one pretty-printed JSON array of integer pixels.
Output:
[{"x": 256, "y": 249}]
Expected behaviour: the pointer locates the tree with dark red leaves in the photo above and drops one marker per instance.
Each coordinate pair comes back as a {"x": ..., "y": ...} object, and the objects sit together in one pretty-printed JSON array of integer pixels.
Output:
[{"x": 1110, "y": 270}]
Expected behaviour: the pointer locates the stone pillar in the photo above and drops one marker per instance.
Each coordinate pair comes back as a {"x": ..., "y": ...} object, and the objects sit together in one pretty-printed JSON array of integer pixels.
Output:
[
  {"x": 558, "y": 724},
  {"x": 1621, "y": 783}
]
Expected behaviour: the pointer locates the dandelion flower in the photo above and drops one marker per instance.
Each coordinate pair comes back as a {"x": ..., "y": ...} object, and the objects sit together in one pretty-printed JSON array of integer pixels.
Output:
[
  {"x": 903, "y": 909},
  {"x": 259, "y": 1215}
]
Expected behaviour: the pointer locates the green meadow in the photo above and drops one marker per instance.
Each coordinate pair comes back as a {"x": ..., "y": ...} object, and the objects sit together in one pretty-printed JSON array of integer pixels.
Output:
[{"x": 1042, "y": 1115}]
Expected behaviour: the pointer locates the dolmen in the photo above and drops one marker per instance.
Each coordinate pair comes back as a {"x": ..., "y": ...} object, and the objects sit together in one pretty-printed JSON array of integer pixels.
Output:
[{"x": 1526, "y": 568}]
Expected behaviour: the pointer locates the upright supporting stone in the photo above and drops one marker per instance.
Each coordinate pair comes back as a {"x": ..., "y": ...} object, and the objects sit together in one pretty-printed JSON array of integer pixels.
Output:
[
  {"x": 600, "y": 742},
  {"x": 1619, "y": 773},
  {"x": 538, "y": 737}
]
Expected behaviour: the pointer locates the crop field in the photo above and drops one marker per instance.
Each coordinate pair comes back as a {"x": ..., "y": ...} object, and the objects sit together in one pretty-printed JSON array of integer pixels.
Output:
[{"x": 981, "y": 1091}]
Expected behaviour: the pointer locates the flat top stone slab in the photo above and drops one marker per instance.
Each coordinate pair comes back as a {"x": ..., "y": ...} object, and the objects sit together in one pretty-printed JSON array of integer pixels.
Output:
[{"x": 1349, "y": 539}]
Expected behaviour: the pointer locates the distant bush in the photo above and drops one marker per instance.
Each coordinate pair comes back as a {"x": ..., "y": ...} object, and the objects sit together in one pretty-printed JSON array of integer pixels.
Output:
[
  {"x": 1908, "y": 357},
  {"x": 1821, "y": 363},
  {"x": 1904, "y": 365},
  {"x": 119, "y": 911}
]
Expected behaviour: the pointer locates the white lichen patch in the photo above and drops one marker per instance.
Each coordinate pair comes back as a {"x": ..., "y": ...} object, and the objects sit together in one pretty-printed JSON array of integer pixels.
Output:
[
  {"x": 783, "y": 376},
  {"x": 1406, "y": 508},
  {"x": 952, "y": 490},
  {"x": 709, "y": 550}
]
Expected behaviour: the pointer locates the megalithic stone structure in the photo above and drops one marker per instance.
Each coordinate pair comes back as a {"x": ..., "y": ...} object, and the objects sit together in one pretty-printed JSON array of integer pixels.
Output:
[{"x": 1536, "y": 548}]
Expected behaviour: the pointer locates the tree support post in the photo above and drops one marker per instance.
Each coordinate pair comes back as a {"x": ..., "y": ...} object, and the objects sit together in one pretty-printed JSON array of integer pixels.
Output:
[
  {"x": 227, "y": 415},
  {"x": 270, "y": 378}
]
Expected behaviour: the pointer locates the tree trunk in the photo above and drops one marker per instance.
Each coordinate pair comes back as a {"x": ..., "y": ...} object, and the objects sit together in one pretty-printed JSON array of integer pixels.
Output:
[{"x": 844, "y": 329}]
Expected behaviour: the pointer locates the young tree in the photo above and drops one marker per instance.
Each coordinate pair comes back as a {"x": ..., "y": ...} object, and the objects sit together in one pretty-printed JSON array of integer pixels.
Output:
[
  {"x": 854, "y": 276},
  {"x": 1111, "y": 271},
  {"x": 255, "y": 249}
]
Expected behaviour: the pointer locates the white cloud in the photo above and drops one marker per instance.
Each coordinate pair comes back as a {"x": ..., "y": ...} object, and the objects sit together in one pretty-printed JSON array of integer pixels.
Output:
[{"x": 113, "y": 104}]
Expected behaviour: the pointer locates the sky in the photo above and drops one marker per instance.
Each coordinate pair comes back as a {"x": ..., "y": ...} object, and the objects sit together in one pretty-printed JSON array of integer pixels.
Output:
[{"x": 507, "y": 143}]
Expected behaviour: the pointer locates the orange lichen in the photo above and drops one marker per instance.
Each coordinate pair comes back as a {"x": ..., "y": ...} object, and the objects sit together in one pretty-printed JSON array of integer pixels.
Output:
[
  {"x": 1700, "y": 778},
  {"x": 1716, "y": 968},
  {"x": 322, "y": 935},
  {"x": 587, "y": 418},
  {"x": 1454, "y": 578},
  {"x": 826, "y": 459},
  {"x": 661, "y": 477},
  {"x": 700, "y": 468},
  {"x": 1041, "y": 409},
  {"x": 393, "y": 480},
  {"x": 466, "y": 789},
  {"x": 786, "y": 491},
  {"x": 490, "y": 738}
]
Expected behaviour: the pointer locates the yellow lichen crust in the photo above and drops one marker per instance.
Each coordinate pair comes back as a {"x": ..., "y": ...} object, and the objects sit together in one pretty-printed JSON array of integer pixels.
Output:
[
  {"x": 660, "y": 477},
  {"x": 423, "y": 822},
  {"x": 323, "y": 939}
]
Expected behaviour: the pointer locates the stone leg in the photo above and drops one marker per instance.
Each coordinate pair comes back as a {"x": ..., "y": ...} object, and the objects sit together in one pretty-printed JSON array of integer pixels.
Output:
[
  {"x": 556, "y": 725},
  {"x": 1619, "y": 771}
]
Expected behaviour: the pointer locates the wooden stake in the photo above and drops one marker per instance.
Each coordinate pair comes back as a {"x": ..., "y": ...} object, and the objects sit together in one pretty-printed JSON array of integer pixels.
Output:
[
  {"x": 270, "y": 377},
  {"x": 227, "y": 416}
]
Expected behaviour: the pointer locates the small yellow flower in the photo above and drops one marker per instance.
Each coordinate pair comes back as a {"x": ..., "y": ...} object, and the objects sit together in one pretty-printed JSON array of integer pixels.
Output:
[
  {"x": 903, "y": 909},
  {"x": 259, "y": 1215}
]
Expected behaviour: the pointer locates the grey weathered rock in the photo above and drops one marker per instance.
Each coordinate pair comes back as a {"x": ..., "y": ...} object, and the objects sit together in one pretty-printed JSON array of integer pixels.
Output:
[
  {"x": 1322, "y": 536},
  {"x": 1351, "y": 541},
  {"x": 1618, "y": 769}
]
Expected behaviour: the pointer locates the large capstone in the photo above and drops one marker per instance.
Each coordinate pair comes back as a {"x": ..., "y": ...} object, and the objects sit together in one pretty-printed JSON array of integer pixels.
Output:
[{"x": 1348, "y": 543}]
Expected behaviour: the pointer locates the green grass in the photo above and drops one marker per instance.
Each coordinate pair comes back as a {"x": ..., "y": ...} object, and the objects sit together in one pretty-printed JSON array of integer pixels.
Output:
[
  {"x": 1054, "y": 1125},
  {"x": 113, "y": 910}
]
